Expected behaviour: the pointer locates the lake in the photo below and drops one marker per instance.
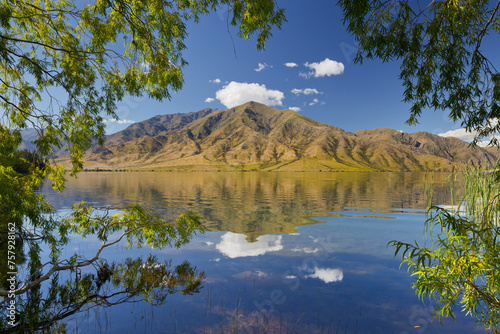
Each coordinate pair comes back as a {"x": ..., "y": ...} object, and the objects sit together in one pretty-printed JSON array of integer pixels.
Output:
[{"x": 283, "y": 252}]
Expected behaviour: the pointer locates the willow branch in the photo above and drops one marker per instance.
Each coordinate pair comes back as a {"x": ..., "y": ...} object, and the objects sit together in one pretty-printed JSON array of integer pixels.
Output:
[
  {"x": 58, "y": 267},
  {"x": 483, "y": 32}
]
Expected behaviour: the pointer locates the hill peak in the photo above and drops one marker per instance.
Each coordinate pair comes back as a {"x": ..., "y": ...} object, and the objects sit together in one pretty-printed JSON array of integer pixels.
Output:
[{"x": 262, "y": 108}]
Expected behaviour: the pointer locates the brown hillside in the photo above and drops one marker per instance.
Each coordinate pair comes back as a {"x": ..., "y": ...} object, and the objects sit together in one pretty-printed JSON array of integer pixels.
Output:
[{"x": 256, "y": 137}]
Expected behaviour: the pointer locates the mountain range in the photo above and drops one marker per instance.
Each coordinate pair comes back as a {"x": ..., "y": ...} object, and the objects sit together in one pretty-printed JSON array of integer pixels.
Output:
[{"x": 254, "y": 136}]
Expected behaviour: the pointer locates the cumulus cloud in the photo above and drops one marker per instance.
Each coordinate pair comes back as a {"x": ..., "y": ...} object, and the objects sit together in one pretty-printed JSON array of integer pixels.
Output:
[
  {"x": 236, "y": 245},
  {"x": 324, "y": 68},
  {"x": 297, "y": 109},
  {"x": 466, "y": 136},
  {"x": 314, "y": 101},
  {"x": 119, "y": 121},
  {"x": 236, "y": 93},
  {"x": 291, "y": 64},
  {"x": 215, "y": 81},
  {"x": 306, "y": 91},
  {"x": 309, "y": 91},
  {"x": 327, "y": 275},
  {"x": 261, "y": 67},
  {"x": 459, "y": 133},
  {"x": 209, "y": 100}
]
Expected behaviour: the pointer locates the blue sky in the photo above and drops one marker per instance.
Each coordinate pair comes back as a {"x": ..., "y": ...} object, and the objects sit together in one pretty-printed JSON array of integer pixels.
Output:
[{"x": 325, "y": 84}]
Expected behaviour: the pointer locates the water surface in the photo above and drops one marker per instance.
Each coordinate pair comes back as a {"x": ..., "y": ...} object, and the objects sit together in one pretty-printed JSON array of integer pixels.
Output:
[{"x": 283, "y": 252}]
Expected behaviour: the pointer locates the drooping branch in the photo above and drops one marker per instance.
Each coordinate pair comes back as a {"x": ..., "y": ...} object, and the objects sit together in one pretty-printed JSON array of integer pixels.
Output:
[
  {"x": 87, "y": 292},
  {"x": 108, "y": 224},
  {"x": 58, "y": 267}
]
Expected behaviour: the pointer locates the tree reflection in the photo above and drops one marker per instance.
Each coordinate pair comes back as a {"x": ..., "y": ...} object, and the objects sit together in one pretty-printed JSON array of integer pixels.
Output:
[{"x": 42, "y": 308}]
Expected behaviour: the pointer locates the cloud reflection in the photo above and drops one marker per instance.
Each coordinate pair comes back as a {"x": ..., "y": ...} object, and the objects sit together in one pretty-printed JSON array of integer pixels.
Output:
[
  {"x": 305, "y": 250},
  {"x": 327, "y": 275},
  {"x": 236, "y": 245}
]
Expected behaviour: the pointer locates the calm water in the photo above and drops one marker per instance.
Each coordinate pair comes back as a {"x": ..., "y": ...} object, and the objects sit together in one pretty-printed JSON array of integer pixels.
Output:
[{"x": 283, "y": 252}]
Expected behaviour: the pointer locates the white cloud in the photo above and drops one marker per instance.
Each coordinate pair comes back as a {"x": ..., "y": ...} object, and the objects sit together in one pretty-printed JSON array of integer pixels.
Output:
[
  {"x": 327, "y": 67},
  {"x": 119, "y": 121},
  {"x": 291, "y": 64},
  {"x": 304, "y": 75},
  {"x": 306, "y": 91},
  {"x": 235, "y": 245},
  {"x": 297, "y": 109},
  {"x": 483, "y": 143},
  {"x": 464, "y": 135},
  {"x": 236, "y": 93},
  {"x": 261, "y": 67},
  {"x": 209, "y": 100},
  {"x": 314, "y": 101},
  {"x": 309, "y": 91},
  {"x": 327, "y": 275},
  {"x": 215, "y": 81},
  {"x": 459, "y": 133}
]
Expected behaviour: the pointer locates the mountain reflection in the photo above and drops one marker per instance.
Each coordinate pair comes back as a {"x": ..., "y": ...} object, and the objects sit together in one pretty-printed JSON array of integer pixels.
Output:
[
  {"x": 236, "y": 245},
  {"x": 253, "y": 204}
]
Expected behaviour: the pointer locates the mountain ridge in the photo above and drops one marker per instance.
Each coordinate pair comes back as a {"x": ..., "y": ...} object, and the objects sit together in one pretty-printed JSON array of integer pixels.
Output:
[{"x": 257, "y": 137}]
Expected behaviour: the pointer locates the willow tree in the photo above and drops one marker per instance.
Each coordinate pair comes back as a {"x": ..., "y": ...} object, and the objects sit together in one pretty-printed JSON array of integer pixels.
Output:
[
  {"x": 64, "y": 66},
  {"x": 445, "y": 66}
]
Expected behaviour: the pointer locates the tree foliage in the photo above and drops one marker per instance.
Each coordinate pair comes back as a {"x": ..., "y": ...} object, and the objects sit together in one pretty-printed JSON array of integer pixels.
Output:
[
  {"x": 440, "y": 47},
  {"x": 132, "y": 280},
  {"x": 64, "y": 66},
  {"x": 444, "y": 66},
  {"x": 462, "y": 267},
  {"x": 23, "y": 161}
]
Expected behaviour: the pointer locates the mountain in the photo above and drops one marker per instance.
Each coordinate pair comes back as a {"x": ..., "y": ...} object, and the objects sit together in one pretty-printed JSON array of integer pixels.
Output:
[
  {"x": 257, "y": 137},
  {"x": 30, "y": 135}
]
